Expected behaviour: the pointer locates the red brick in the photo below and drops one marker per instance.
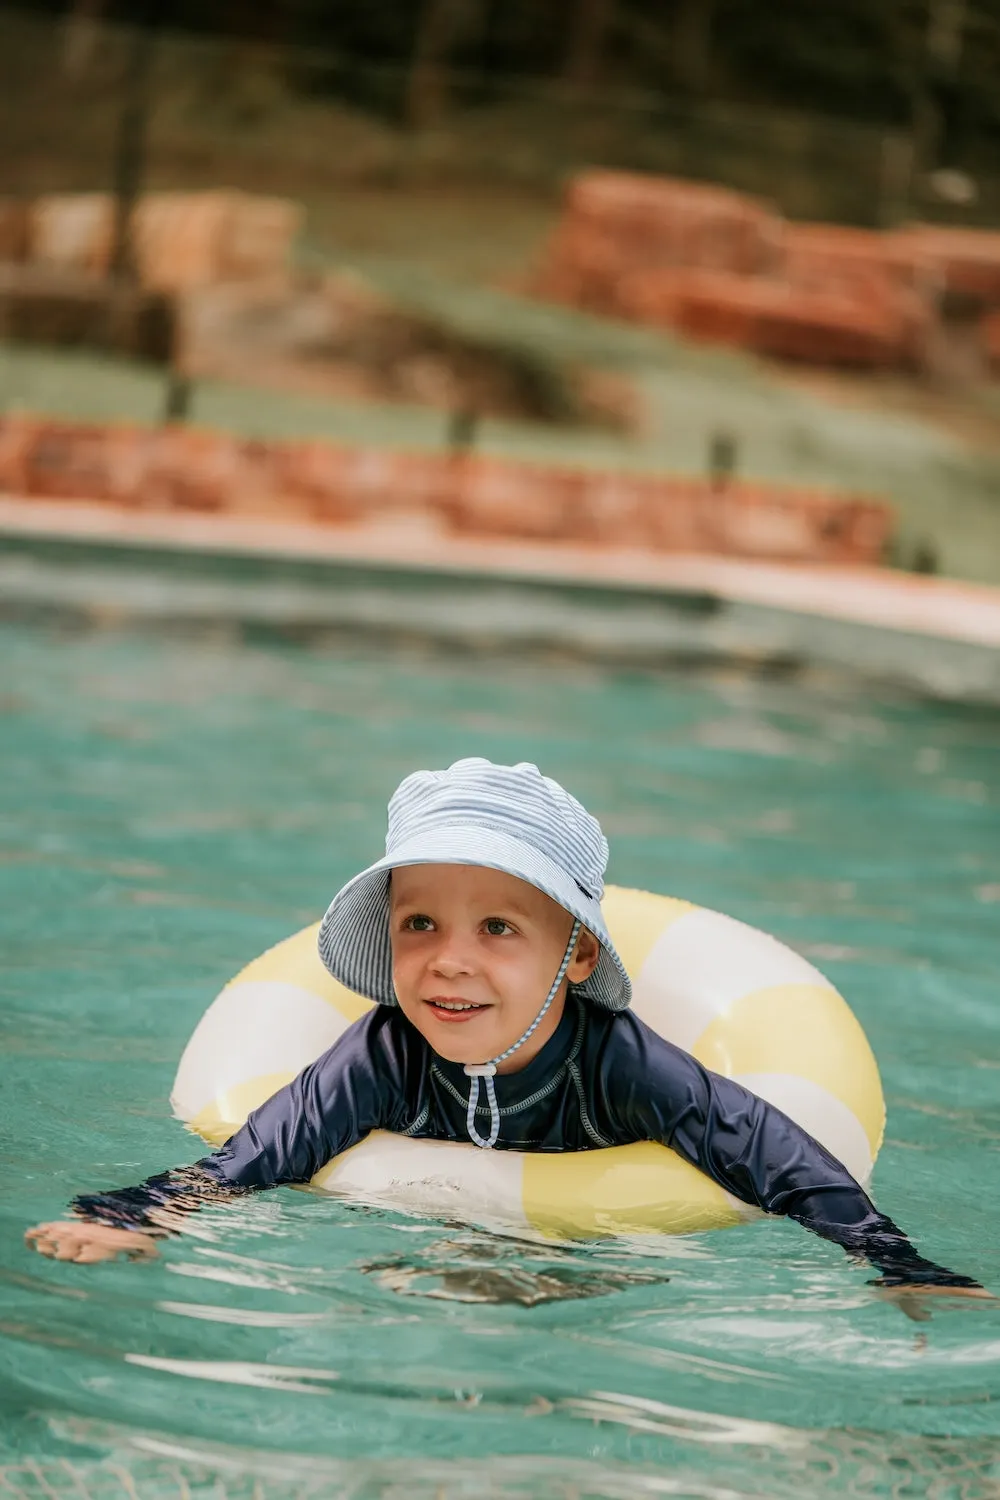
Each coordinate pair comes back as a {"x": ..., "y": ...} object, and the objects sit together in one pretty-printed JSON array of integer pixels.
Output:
[
  {"x": 616, "y": 223},
  {"x": 74, "y": 231},
  {"x": 967, "y": 261},
  {"x": 260, "y": 236},
  {"x": 14, "y": 229},
  {"x": 991, "y": 339},
  {"x": 181, "y": 468},
  {"x": 179, "y": 240}
]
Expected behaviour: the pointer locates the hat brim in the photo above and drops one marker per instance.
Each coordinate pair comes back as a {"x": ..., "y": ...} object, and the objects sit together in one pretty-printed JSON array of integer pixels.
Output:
[{"x": 354, "y": 935}]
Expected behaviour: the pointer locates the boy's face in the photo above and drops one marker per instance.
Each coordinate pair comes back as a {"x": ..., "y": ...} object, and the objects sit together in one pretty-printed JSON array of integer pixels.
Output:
[{"x": 474, "y": 954}]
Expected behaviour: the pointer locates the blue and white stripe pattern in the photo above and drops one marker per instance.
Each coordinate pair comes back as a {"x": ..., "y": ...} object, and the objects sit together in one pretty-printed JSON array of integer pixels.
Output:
[{"x": 509, "y": 818}]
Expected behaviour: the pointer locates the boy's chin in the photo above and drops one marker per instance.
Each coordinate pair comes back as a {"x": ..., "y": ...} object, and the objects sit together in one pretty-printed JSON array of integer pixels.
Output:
[
  {"x": 461, "y": 1043},
  {"x": 460, "y": 1049}
]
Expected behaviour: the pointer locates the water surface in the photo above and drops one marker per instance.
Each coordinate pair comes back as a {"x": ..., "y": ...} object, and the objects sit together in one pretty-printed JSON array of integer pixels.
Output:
[{"x": 172, "y": 805}]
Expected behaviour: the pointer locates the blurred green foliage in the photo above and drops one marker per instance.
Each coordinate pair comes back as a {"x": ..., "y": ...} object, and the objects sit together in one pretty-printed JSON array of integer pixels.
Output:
[{"x": 878, "y": 61}]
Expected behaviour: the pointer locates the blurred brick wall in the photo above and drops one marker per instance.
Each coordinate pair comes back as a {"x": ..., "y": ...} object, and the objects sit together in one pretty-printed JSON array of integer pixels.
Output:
[
  {"x": 991, "y": 333},
  {"x": 714, "y": 264},
  {"x": 176, "y": 468},
  {"x": 179, "y": 240}
]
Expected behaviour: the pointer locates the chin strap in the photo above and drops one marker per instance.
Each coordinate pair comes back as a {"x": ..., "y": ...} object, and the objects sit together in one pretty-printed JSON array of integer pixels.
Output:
[{"x": 475, "y": 1071}]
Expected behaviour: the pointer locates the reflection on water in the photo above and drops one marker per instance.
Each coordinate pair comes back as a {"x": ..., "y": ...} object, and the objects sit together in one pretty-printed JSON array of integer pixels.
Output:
[
  {"x": 766, "y": 1465},
  {"x": 297, "y": 1345},
  {"x": 471, "y": 1268}
]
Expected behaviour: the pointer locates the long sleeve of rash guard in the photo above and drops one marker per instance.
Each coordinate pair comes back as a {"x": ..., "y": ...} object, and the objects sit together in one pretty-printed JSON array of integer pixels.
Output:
[
  {"x": 655, "y": 1091},
  {"x": 613, "y": 1081},
  {"x": 354, "y": 1088}
]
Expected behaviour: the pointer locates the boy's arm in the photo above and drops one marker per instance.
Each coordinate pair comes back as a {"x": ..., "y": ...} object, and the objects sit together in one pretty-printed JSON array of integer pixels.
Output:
[
  {"x": 352, "y": 1089},
  {"x": 754, "y": 1151}
]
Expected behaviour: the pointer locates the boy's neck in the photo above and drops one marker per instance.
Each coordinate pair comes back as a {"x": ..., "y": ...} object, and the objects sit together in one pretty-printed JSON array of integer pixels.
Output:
[{"x": 530, "y": 1049}]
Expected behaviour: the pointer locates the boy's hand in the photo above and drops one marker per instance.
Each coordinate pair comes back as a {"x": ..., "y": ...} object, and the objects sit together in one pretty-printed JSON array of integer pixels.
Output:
[
  {"x": 912, "y": 1300},
  {"x": 85, "y": 1243}
]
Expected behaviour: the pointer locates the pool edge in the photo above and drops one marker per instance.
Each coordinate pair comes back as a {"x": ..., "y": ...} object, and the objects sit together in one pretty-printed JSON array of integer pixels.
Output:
[{"x": 94, "y": 561}]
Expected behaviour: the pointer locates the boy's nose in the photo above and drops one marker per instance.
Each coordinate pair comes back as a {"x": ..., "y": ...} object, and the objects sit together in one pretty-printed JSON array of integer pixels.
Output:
[{"x": 450, "y": 960}]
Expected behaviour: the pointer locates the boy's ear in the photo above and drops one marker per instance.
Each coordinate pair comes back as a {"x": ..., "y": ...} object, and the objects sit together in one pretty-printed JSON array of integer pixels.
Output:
[{"x": 584, "y": 960}]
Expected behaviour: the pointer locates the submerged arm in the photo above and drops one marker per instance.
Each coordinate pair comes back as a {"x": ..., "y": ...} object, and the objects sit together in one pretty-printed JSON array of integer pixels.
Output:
[
  {"x": 332, "y": 1104},
  {"x": 754, "y": 1151}
]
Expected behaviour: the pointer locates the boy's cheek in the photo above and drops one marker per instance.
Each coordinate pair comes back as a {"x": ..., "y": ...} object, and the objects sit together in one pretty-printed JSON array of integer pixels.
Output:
[
  {"x": 404, "y": 976},
  {"x": 404, "y": 995}
]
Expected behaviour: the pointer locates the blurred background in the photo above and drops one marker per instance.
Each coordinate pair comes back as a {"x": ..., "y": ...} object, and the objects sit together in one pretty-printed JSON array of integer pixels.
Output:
[
  {"x": 645, "y": 357},
  {"x": 682, "y": 251}
]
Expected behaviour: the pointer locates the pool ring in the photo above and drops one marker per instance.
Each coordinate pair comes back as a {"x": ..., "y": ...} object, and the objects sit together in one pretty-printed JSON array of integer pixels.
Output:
[{"x": 741, "y": 1002}]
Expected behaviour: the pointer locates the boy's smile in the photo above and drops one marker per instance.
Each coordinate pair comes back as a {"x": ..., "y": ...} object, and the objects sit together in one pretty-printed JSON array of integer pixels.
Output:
[
  {"x": 446, "y": 1009},
  {"x": 474, "y": 955}
]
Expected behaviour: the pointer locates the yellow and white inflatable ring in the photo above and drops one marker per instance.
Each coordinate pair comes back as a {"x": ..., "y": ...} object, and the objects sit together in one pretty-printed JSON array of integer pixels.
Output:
[{"x": 741, "y": 1002}]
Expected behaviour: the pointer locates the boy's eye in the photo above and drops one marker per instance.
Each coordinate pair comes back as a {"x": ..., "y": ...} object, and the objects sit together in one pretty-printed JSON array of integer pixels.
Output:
[
  {"x": 419, "y": 923},
  {"x": 497, "y": 927}
]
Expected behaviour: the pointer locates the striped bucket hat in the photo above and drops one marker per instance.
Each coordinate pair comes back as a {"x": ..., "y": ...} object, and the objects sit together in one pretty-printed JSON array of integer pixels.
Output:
[{"x": 509, "y": 818}]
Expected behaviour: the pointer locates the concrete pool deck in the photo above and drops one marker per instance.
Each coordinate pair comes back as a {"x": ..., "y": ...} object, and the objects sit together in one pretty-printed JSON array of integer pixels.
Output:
[{"x": 926, "y": 634}]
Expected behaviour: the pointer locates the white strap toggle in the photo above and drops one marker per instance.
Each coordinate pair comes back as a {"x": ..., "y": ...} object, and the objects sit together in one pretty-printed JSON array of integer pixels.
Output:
[
  {"x": 480, "y": 1070},
  {"x": 485, "y": 1142}
]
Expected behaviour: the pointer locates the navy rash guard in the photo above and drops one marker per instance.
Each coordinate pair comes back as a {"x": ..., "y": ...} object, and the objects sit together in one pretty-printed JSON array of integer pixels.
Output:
[{"x": 602, "y": 1079}]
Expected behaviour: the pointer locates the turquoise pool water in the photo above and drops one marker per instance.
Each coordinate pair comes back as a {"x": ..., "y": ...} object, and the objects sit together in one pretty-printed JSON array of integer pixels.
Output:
[{"x": 172, "y": 805}]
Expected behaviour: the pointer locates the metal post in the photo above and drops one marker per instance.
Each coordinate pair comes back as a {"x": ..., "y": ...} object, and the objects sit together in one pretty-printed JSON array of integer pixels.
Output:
[{"x": 130, "y": 142}]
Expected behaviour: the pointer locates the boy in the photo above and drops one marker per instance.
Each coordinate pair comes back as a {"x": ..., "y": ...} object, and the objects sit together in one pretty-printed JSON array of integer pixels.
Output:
[{"x": 490, "y": 886}]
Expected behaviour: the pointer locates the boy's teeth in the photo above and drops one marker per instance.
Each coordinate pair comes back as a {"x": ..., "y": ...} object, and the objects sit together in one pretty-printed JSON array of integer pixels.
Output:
[{"x": 447, "y": 1005}]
